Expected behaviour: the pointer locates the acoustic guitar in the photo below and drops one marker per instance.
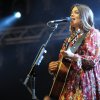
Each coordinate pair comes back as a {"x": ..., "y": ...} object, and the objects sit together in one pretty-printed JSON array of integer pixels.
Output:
[{"x": 60, "y": 77}]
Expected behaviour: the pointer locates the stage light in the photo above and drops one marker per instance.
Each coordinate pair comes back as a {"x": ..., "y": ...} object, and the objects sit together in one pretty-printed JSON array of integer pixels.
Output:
[
  {"x": 9, "y": 21},
  {"x": 17, "y": 14}
]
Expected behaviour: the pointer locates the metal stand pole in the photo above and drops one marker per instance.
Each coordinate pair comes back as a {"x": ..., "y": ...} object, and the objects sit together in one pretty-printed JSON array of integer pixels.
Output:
[{"x": 37, "y": 61}]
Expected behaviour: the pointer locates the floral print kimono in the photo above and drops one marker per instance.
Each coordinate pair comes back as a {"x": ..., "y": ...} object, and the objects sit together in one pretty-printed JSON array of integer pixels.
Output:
[{"x": 83, "y": 81}]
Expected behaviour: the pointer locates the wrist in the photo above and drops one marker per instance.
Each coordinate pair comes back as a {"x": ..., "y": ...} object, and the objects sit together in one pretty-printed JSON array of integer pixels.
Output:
[{"x": 75, "y": 57}]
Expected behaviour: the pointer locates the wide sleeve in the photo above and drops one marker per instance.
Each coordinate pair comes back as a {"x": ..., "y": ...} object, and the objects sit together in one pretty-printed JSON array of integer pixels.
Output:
[{"x": 91, "y": 50}]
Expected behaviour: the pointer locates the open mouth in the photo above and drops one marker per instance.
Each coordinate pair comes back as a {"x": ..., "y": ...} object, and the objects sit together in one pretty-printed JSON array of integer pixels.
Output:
[{"x": 72, "y": 19}]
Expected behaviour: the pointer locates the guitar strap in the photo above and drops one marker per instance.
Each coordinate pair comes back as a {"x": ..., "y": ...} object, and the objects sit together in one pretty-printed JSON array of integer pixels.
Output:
[{"x": 77, "y": 43}]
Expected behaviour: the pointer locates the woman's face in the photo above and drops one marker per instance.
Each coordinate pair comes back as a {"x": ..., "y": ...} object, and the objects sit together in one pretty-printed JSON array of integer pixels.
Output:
[{"x": 75, "y": 18}]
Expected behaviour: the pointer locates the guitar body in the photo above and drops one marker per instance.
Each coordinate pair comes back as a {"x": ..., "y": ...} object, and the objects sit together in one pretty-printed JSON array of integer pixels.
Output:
[
  {"x": 56, "y": 91},
  {"x": 59, "y": 82}
]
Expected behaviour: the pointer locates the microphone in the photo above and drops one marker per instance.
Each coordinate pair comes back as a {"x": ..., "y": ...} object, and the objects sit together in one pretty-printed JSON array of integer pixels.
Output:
[{"x": 67, "y": 19}]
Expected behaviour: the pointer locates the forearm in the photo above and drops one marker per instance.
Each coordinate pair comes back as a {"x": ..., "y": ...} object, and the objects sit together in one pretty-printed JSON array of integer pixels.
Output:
[{"x": 86, "y": 62}]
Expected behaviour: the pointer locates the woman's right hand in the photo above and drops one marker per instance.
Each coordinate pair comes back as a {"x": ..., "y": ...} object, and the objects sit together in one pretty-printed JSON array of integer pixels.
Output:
[{"x": 53, "y": 66}]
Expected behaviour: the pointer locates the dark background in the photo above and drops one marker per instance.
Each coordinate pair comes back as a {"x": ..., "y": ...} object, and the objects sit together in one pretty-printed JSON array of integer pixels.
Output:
[{"x": 16, "y": 58}]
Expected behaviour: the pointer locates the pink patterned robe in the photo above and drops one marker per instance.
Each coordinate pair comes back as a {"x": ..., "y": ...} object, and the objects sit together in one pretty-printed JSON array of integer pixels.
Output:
[{"x": 83, "y": 82}]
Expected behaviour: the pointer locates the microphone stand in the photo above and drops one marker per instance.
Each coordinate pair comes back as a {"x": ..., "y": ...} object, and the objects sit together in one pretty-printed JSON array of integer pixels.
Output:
[{"x": 31, "y": 75}]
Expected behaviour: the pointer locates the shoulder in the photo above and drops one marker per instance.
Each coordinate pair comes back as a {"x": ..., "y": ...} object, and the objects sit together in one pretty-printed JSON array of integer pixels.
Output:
[
  {"x": 94, "y": 32},
  {"x": 95, "y": 36}
]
